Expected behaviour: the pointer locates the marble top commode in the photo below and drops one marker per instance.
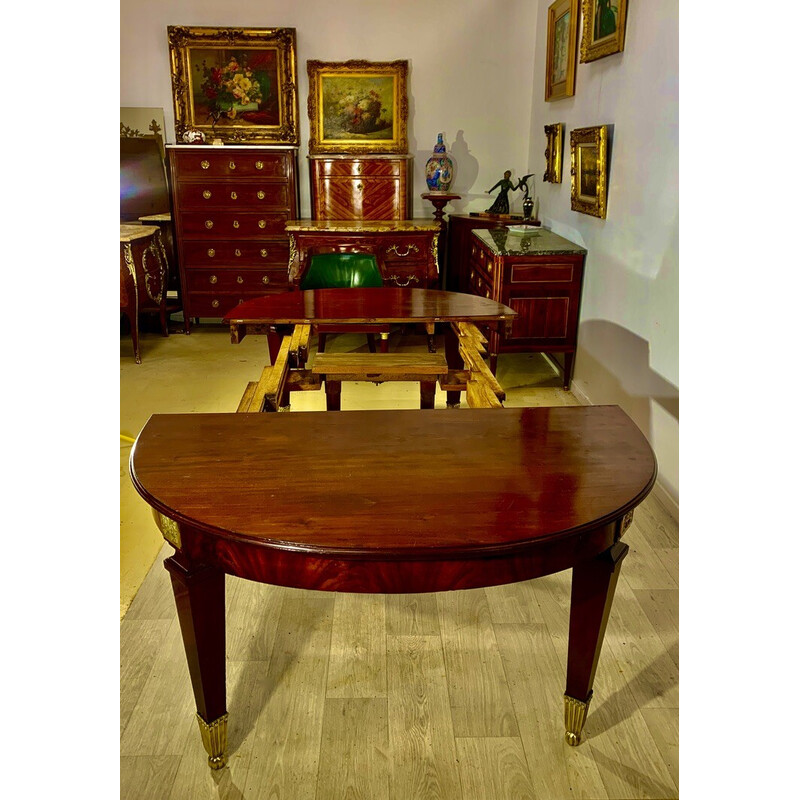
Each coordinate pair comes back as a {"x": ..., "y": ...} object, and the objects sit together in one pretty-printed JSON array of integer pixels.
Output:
[
  {"x": 540, "y": 242},
  {"x": 361, "y": 225}
]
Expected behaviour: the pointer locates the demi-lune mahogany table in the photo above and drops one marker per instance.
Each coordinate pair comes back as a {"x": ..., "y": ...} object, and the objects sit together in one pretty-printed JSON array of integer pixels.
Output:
[{"x": 391, "y": 502}]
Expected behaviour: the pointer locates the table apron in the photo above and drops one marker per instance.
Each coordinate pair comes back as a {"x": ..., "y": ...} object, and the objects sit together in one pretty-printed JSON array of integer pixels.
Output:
[{"x": 393, "y": 575}]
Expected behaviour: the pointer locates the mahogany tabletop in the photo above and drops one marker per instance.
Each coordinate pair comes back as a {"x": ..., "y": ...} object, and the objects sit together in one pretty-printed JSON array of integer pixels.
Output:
[
  {"x": 376, "y": 304},
  {"x": 404, "y": 486}
]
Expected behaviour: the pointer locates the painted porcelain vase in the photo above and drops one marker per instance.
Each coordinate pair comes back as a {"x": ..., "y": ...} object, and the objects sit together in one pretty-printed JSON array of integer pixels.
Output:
[{"x": 439, "y": 168}]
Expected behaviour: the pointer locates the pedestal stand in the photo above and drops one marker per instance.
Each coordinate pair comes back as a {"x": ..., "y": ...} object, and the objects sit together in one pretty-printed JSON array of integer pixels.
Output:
[{"x": 439, "y": 200}]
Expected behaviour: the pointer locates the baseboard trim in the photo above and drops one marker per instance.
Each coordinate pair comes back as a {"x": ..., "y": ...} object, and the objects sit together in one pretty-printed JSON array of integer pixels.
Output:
[{"x": 659, "y": 490}]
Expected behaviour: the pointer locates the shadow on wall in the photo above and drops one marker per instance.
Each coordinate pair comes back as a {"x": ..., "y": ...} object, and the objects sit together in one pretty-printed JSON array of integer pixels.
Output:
[
  {"x": 465, "y": 171},
  {"x": 613, "y": 365}
]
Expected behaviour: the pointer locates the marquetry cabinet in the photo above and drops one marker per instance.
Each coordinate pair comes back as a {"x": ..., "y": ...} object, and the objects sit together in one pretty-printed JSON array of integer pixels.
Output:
[
  {"x": 367, "y": 187},
  {"x": 540, "y": 276},
  {"x": 407, "y": 251},
  {"x": 230, "y": 205}
]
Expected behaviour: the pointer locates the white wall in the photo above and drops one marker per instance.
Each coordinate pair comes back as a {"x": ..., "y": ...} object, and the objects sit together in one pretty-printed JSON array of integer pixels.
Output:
[
  {"x": 470, "y": 67},
  {"x": 477, "y": 75},
  {"x": 628, "y": 336}
]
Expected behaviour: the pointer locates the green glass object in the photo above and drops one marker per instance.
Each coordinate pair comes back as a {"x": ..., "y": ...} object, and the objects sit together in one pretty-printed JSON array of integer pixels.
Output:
[{"x": 342, "y": 271}]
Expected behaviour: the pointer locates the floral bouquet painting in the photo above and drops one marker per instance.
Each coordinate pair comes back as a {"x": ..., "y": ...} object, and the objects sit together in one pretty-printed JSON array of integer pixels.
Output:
[
  {"x": 358, "y": 107},
  {"x": 235, "y": 86}
]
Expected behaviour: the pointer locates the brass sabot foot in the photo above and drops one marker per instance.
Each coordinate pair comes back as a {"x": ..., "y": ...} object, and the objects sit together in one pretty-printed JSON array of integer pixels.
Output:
[
  {"x": 215, "y": 740},
  {"x": 574, "y": 718}
]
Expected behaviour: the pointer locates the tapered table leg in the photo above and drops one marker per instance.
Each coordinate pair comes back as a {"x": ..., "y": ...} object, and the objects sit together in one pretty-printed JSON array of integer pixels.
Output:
[
  {"x": 200, "y": 598},
  {"x": 427, "y": 394},
  {"x": 333, "y": 395},
  {"x": 593, "y": 586},
  {"x": 454, "y": 362}
]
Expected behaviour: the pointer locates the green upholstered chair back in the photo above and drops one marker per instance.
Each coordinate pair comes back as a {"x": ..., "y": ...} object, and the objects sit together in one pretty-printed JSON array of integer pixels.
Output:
[{"x": 342, "y": 271}]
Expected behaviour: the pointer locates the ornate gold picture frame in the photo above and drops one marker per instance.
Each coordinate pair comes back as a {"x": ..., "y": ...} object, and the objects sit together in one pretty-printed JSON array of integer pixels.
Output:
[
  {"x": 562, "y": 42},
  {"x": 589, "y": 169},
  {"x": 603, "y": 28},
  {"x": 552, "y": 155},
  {"x": 357, "y": 107},
  {"x": 235, "y": 84}
]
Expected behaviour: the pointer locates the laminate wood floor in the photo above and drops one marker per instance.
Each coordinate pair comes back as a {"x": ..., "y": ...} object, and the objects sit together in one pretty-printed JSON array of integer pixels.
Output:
[{"x": 454, "y": 695}]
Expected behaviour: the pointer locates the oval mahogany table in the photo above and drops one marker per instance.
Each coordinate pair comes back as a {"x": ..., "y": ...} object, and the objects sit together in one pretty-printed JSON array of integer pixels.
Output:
[
  {"x": 353, "y": 309},
  {"x": 391, "y": 501}
]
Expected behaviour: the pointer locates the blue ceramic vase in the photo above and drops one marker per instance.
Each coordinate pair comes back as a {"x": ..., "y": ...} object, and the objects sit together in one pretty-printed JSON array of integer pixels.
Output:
[{"x": 439, "y": 168}]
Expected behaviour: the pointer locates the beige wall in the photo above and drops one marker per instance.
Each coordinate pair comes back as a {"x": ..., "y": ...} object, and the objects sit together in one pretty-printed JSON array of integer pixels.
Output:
[
  {"x": 628, "y": 336},
  {"x": 477, "y": 75}
]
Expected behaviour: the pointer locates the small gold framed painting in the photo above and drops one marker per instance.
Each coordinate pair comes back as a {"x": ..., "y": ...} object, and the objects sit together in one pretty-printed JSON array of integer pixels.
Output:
[
  {"x": 552, "y": 155},
  {"x": 357, "y": 107},
  {"x": 562, "y": 39},
  {"x": 589, "y": 169},
  {"x": 603, "y": 28}
]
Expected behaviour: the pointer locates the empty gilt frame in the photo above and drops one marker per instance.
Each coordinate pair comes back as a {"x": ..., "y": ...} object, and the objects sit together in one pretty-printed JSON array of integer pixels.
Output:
[
  {"x": 555, "y": 139},
  {"x": 357, "y": 107},
  {"x": 603, "y": 28},
  {"x": 235, "y": 84},
  {"x": 562, "y": 42},
  {"x": 589, "y": 170}
]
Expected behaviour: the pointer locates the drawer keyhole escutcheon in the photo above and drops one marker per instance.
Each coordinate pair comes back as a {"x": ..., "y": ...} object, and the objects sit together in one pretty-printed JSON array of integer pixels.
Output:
[
  {"x": 204, "y": 164},
  {"x": 234, "y": 196},
  {"x": 212, "y": 279},
  {"x": 239, "y": 279},
  {"x": 211, "y": 252},
  {"x": 209, "y": 224},
  {"x": 206, "y": 194},
  {"x": 236, "y": 223}
]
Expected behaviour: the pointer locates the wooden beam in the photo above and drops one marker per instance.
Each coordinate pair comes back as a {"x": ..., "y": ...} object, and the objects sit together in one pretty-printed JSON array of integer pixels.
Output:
[
  {"x": 247, "y": 398},
  {"x": 478, "y": 366},
  {"x": 298, "y": 349},
  {"x": 366, "y": 365},
  {"x": 270, "y": 386},
  {"x": 481, "y": 395}
]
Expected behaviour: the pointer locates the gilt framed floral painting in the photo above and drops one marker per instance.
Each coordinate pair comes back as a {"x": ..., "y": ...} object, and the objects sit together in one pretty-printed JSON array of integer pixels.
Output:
[
  {"x": 235, "y": 84},
  {"x": 357, "y": 107},
  {"x": 562, "y": 39},
  {"x": 603, "y": 28}
]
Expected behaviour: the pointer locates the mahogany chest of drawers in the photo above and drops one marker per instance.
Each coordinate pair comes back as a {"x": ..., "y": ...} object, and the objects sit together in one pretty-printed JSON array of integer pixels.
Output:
[
  {"x": 229, "y": 206},
  {"x": 540, "y": 276},
  {"x": 369, "y": 187}
]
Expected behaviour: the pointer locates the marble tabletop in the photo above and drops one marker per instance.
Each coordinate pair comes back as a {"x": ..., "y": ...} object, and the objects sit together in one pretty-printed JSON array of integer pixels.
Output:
[
  {"x": 362, "y": 225},
  {"x": 537, "y": 242},
  {"x": 129, "y": 231}
]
